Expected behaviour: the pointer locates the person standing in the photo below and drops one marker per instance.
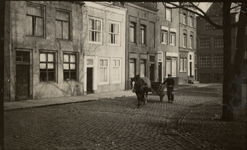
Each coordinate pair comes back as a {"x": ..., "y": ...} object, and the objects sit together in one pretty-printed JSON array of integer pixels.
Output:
[{"x": 170, "y": 91}]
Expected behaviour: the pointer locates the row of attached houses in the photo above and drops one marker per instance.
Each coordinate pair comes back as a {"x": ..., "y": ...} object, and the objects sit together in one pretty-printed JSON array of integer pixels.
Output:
[{"x": 70, "y": 48}]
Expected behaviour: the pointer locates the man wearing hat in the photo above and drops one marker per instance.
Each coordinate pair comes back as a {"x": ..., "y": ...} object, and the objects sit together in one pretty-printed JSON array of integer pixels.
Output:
[{"x": 170, "y": 91}]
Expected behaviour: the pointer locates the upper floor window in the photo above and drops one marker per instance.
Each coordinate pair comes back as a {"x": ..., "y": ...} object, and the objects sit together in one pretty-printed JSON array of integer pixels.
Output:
[
  {"x": 143, "y": 34},
  {"x": 191, "y": 41},
  {"x": 191, "y": 21},
  {"x": 114, "y": 33},
  {"x": 184, "y": 18},
  {"x": 62, "y": 25},
  {"x": 47, "y": 66},
  {"x": 132, "y": 32},
  {"x": 95, "y": 30},
  {"x": 184, "y": 40},
  {"x": 168, "y": 14},
  {"x": 218, "y": 43},
  {"x": 164, "y": 37},
  {"x": 69, "y": 66},
  {"x": 34, "y": 20},
  {"x": 205, "y": 44},
  {"x": 173, "y": 38}
]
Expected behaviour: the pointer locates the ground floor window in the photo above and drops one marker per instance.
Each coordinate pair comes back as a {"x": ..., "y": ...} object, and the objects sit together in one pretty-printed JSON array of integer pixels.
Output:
[
  {"x": 104, "y": 66},
  {"x": 142, "y": 68},
  {"x": 132, "y": 68},
  {"x": 116, "y": 70},
  {"x": 69, "y": 66},
  {"x": 171, "y": 66},
  {"x": 205, "y": 61},
  {"x": 47, "y": 66}
]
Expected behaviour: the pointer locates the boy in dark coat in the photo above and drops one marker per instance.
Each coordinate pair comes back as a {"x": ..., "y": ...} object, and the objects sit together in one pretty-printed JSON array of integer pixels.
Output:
[{"x": 170, "y": 91}]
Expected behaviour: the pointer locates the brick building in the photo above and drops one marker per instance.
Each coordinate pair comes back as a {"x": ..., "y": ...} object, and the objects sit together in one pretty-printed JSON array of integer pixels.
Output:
[
  {"x": 42, "y": 49},
  {"x": 210, "y": 46},
  {"x": 141, "y": 40}
]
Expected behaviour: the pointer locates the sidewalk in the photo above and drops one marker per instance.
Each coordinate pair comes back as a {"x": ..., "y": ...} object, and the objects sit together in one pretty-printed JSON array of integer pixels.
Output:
[{"x": 73, "y": 99}]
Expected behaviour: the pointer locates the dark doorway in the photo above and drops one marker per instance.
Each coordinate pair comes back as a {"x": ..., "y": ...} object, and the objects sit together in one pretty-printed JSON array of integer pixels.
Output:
[
  {"x": 152, "y": 72},
  {"x": 89, "y": 80},
  {"x": 160, "y": 72},
  {"x": 22, "y": 75},
  {"x": 190, "y": 68}
]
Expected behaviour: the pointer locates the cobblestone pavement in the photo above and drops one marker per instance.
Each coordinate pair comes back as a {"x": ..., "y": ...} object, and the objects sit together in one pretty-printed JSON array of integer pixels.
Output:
[{"x": 190, "y": 122}]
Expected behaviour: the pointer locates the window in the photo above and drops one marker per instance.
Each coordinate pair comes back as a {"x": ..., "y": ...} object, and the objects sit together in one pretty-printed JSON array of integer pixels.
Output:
[
  {"x": 205, "y": 61},
  {"x": 132, "y": 32},
  {"x": 191, "y": 41},
  {"x": 116, "y": 75},
  {"x": 142, "y": 68},
  {"x": 164, "y": 37},
  {"x": 209, "y": 26},
  {"x": 184, "y": 40},
  {"x": 103, "y": 70},
  {"x": 183, "y": 63},
  {"x": 218, "y": 43},
  {"x": 69, "y": 67},
  {"x": 205, "y": 44},
  {"x": 168, "y": 14},
  {"x": 47, "y": 66},
  {"x": 143, "y": 34},
  {"x": 62, "y": 24},
  {"x": 191, "y": 21},
  {"x": 218, "y": 61},
  {"x": 94, "y": 30},
  {"x": 171, "y": 66},
  {"x": 184, "y": 18},
  {"x": 173, "y": 38},
  {"x": 195, "y": 59},
  {"x": 114, "y": 33},
  {"x": 132, "y": 68},
  {"x": 35, "y": 20}
]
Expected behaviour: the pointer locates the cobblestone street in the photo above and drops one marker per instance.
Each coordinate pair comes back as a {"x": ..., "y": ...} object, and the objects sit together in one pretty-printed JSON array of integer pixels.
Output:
[{"x": 190, "y": 122}]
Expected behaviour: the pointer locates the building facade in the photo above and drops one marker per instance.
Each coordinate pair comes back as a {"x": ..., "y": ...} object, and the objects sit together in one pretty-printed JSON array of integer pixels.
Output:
[
  {"x": 103, "y": 46},
  {"x": 141, "y": 41},
  {"x": 42, "y": 49},
  {"x": 187, "y": 47},
  {"x": 210, "y": 46},
  {"x": 168, "y": 47}
]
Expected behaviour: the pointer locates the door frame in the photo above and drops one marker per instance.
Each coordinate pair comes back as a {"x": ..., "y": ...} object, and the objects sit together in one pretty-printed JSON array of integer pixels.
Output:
[{"x": 30, "y": 72}]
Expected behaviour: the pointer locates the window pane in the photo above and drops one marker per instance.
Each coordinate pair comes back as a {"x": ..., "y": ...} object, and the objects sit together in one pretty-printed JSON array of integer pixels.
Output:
[
  {"x": 66, "y": 66},
  {"x": 42, "y": 75},
  {"x": 58, "y": 29},
  {"x": 73, "y": 75},
  {"x": 42, "y": 57},
  {"x": 72, "y": 58},
  {"x": 105, "y": 62},
  {"x": 66, "y": 75},
  {"x": 65, "y": 58},
  {"x": 50, "y": 57},
  {"x": 50, "y": 66},
  {"x": 101, "y": 62},
  {"x": 29, "y": 25},
  {"x": 39, "y": 27},
  {"x": 118, "y": 63},
  {"x": 98, "y": 25},
  {"x": 72, "y": 66},
  {"x": 42, "y": 65},
  {"x": 51, "y": 76},
  {"x": 65, "y": 30}
]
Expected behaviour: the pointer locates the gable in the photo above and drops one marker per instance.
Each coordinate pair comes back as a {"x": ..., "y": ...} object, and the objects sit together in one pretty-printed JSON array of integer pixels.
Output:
[{"x": 216, "y": 9}]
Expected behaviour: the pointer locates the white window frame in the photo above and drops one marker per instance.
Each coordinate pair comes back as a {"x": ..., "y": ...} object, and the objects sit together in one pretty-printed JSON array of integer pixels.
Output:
[
  {"x": 185, "y": 19},
  {"x": 119, "y": 67},
  {"x": 173, "y": 43},
  {"x": 110, "y": 33},
  {"x": 164, "y": 35},
  {"x": 191, "y": 41},
  {"x": 100, "y": 67},
  {"x": 184, "y": 40},
  {"x": 94, "y": 18}
]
